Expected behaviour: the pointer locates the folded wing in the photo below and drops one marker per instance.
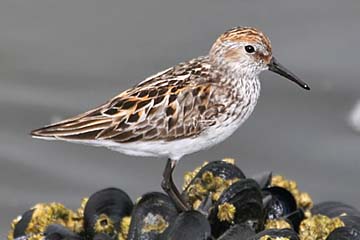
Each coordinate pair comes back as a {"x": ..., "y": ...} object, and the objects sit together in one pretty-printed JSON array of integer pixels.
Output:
[{"x": 171, "y": 105}]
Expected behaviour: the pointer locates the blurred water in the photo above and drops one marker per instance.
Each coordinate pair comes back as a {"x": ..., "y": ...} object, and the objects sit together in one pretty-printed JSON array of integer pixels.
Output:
[{"x": 59, "y": 58}]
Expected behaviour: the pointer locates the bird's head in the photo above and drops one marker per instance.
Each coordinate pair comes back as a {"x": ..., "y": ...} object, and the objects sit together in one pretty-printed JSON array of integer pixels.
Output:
[{"x": 248, "y": 52}]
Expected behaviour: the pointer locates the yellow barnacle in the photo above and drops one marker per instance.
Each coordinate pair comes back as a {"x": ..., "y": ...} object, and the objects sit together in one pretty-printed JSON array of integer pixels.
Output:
[
  {"x": 219, "y": 182},
  {"x": 80, "y": 210},
  {"x": 226, "y": 212},
  {"x": 196, "y": 204},
  {"x": 267, "y": 237},
  {"x": 318, "y": 227},
  {"x": 216, "y": 196},
  {"x": 155, "y": 223},
  {"x": 221, "y": 186},
  {"x": 36, "y": 237},
  {"x": 205, "y": 185},
  {"x": 124, "y": 226},
  {"x": 188, "y": 177},
  {"x": 277, "y": 224},
  {"x": 280, "y": 181},
  {"x": 208, "y": 180},
  {"x": 45, "y": 214},
  {"x": 305, "y": 200},
  {"x": 229, "y": 160},
  {"x": 75, "y": 222},
  {"x": 104, "y": 224}
]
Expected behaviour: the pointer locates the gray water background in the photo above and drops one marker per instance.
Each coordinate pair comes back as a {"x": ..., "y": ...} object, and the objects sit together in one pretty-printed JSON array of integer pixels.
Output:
[{"x": 60, "y": 58}]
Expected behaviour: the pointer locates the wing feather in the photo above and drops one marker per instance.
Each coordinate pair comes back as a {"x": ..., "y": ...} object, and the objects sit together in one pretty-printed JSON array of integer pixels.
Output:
[{"x": 170, "y": 105}]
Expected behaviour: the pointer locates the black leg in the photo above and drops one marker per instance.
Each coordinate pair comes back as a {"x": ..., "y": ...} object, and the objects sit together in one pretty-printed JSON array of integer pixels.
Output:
[{"x": 169, "y": 187}]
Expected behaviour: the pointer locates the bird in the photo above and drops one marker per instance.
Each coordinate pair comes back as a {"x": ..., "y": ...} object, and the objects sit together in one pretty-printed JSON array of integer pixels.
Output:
[{"x": 186, "y": 108}]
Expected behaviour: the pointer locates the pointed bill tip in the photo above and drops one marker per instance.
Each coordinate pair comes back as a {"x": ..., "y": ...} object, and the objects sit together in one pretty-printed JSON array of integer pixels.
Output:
[
  {"x": 306, "y": 87},
  {"x": 276, "y": 67}
]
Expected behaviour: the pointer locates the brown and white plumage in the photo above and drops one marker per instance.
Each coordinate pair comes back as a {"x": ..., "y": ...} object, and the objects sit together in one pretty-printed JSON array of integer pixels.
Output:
[
  {"x": 183, "y": 109},
  {"x": 177, "y": 103}
]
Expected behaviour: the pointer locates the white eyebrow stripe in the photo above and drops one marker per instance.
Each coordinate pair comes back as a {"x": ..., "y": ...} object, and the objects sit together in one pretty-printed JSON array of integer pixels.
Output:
[{"x": 257, "y": 46}]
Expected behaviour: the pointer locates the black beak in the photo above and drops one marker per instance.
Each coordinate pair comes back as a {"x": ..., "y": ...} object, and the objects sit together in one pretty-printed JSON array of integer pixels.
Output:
[{"x": 276, "y": 67}]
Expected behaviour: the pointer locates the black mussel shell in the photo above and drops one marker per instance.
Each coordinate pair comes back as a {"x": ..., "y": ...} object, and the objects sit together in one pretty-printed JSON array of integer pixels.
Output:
[
  {"x": 238, "y": 232},
  {"x": 282, "y": 202},
  {"x": 22, "y": 225},
  {"x": 263, "y": 179},
  {"x": 351, "y": 221},
  {"x": 295, "y": 218},
  {"x": 334, "y": 209},
  {"x": 245, "y": 195},
  {"x": 277, "y": 233},
  {"x": 221, "y": 169},
  {"x": 59, "y": 232},
  {"x": 112, "y": 202},
  {"x": 188, "y": 225},
  {"x": 152, "y": 215},
  {"x": 102, "y": 236},
  {"x": 344, "y": 233}
]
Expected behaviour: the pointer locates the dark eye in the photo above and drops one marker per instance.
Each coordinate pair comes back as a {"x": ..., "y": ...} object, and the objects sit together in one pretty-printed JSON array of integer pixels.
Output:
[{"x": 249, "y": 49}]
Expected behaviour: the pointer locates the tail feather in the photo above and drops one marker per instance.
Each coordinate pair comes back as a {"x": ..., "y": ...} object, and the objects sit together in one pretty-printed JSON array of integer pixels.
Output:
[{"x": 84, "y": 129}]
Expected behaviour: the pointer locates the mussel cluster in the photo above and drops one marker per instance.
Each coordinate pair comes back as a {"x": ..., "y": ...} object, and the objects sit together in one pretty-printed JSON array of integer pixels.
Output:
[{"x": 226, "y": 205}]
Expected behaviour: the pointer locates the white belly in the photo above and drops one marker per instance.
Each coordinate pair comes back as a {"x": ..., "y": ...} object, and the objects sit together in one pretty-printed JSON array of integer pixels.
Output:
[{"x": 177, "y": 148}]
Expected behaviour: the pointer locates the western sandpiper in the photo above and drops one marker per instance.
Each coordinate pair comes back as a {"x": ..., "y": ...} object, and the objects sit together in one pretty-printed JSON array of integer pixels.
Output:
[{"x": 183, "y": 109}]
